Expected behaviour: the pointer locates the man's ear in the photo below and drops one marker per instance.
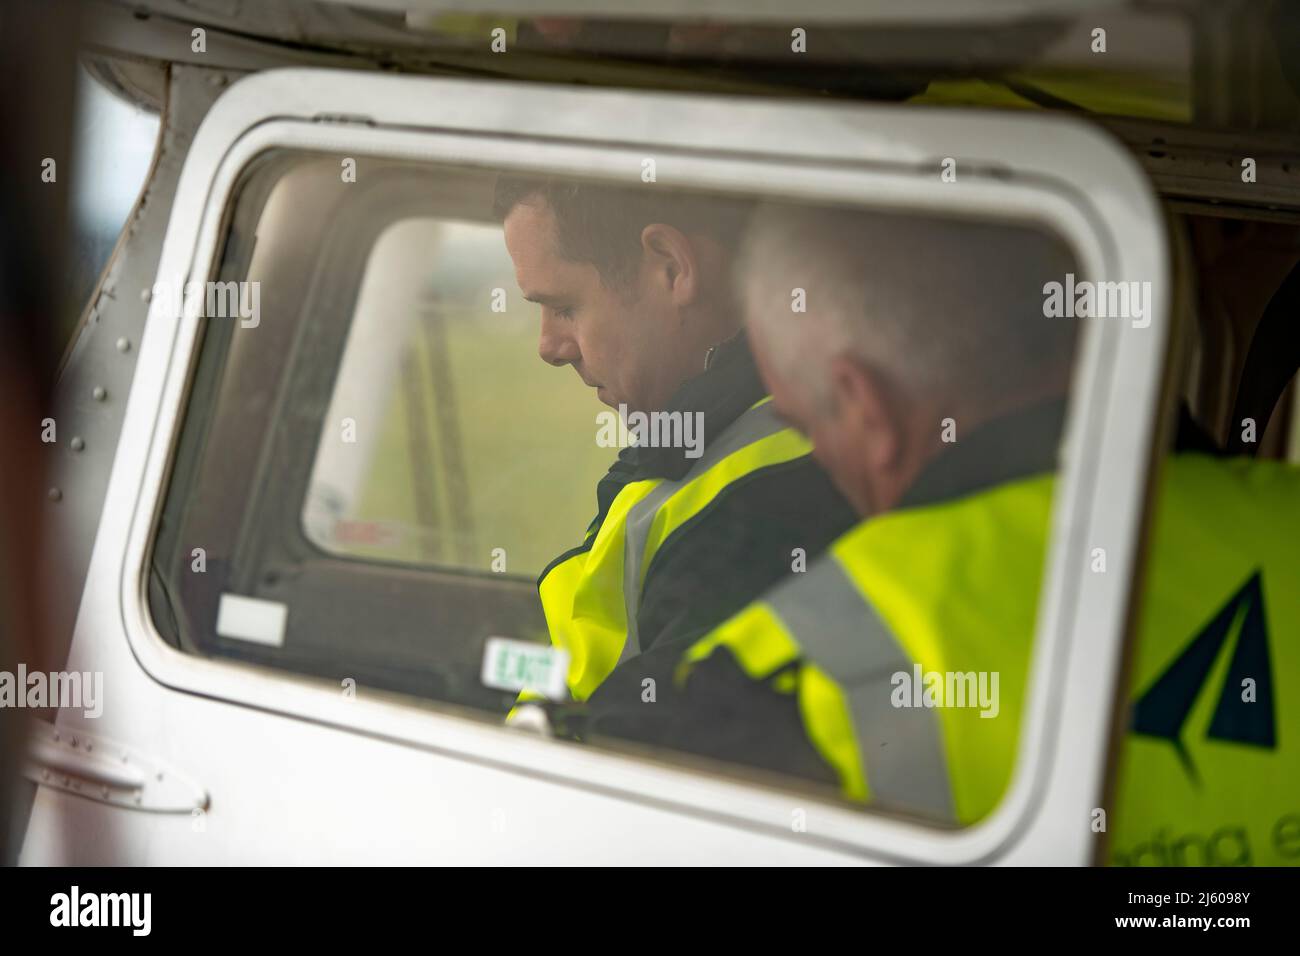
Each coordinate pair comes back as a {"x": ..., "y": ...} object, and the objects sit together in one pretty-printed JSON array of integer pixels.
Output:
[
  {"x": 862, "y": 403},
  {"x": 673, "y": 262}
]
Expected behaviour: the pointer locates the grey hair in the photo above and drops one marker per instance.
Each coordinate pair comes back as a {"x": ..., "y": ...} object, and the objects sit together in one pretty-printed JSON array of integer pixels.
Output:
[{"x": 938, "y": 306}]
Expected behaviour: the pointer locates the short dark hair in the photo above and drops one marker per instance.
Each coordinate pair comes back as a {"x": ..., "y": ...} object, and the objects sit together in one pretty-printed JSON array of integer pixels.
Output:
[{"x": 602, "y": 223}]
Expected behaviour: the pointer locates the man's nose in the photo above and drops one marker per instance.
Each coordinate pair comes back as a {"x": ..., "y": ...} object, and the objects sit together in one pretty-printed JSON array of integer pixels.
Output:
[{"x": 556, "y": 345}]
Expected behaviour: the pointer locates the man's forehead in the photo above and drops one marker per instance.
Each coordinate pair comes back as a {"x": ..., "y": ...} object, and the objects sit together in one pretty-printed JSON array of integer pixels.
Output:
[
  {"x": 530, "y": 241},
  {"x": 542, "y": 272},
  {"x": 531, "y": 227}
]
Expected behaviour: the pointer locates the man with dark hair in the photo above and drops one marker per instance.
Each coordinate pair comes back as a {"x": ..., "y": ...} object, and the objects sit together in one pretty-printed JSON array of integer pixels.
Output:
[
  {"x": 635, "y": 289},
  {"x": 636, "y": 294}
]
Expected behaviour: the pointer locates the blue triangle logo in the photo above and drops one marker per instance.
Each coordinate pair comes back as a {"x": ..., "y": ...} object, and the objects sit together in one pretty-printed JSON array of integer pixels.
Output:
[{"x": 1163, "y": 709}]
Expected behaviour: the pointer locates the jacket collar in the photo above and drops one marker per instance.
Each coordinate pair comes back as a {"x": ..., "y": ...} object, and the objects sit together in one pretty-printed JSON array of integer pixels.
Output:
[{"x": 1008, "y": 448}]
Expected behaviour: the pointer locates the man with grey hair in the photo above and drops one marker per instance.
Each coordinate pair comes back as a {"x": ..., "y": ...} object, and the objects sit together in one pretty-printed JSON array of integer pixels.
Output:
[
  {"x": 932, "y": 385},
  {"x": 908, "y": 323}
]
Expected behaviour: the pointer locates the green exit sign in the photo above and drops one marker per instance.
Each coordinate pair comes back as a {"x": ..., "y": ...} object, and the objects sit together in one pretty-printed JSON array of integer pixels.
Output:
[{"x": 520, "y": 665}]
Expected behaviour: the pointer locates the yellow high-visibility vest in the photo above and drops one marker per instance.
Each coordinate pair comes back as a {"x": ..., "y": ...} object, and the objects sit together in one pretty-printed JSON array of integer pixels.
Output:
[
  {"x": 592, "y": 596},
  {"x": 1210, "y": 771}
]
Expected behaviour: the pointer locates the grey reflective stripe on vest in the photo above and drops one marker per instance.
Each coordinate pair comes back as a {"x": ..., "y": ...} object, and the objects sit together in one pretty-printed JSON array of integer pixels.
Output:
[
  {"x": 753, "y": 425},
  {"x": 901, "y": 747}
]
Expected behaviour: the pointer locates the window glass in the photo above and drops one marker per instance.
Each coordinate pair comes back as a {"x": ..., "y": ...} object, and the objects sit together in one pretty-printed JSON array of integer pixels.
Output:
[
  {"x": 386, "y": 443},
  {"x": 460, "y": 436}
]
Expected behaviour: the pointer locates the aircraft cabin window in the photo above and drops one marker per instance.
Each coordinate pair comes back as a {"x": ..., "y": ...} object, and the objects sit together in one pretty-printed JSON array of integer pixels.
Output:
[{"x": 422, "y": 388}]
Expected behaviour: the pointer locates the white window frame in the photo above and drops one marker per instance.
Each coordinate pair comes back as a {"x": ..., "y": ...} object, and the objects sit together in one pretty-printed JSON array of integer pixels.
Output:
[{"x": 1044, "y": 169}]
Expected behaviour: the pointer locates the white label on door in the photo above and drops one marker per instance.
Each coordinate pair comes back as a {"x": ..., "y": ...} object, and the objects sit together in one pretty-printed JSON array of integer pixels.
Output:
[{"x": 252, "y": 619}]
